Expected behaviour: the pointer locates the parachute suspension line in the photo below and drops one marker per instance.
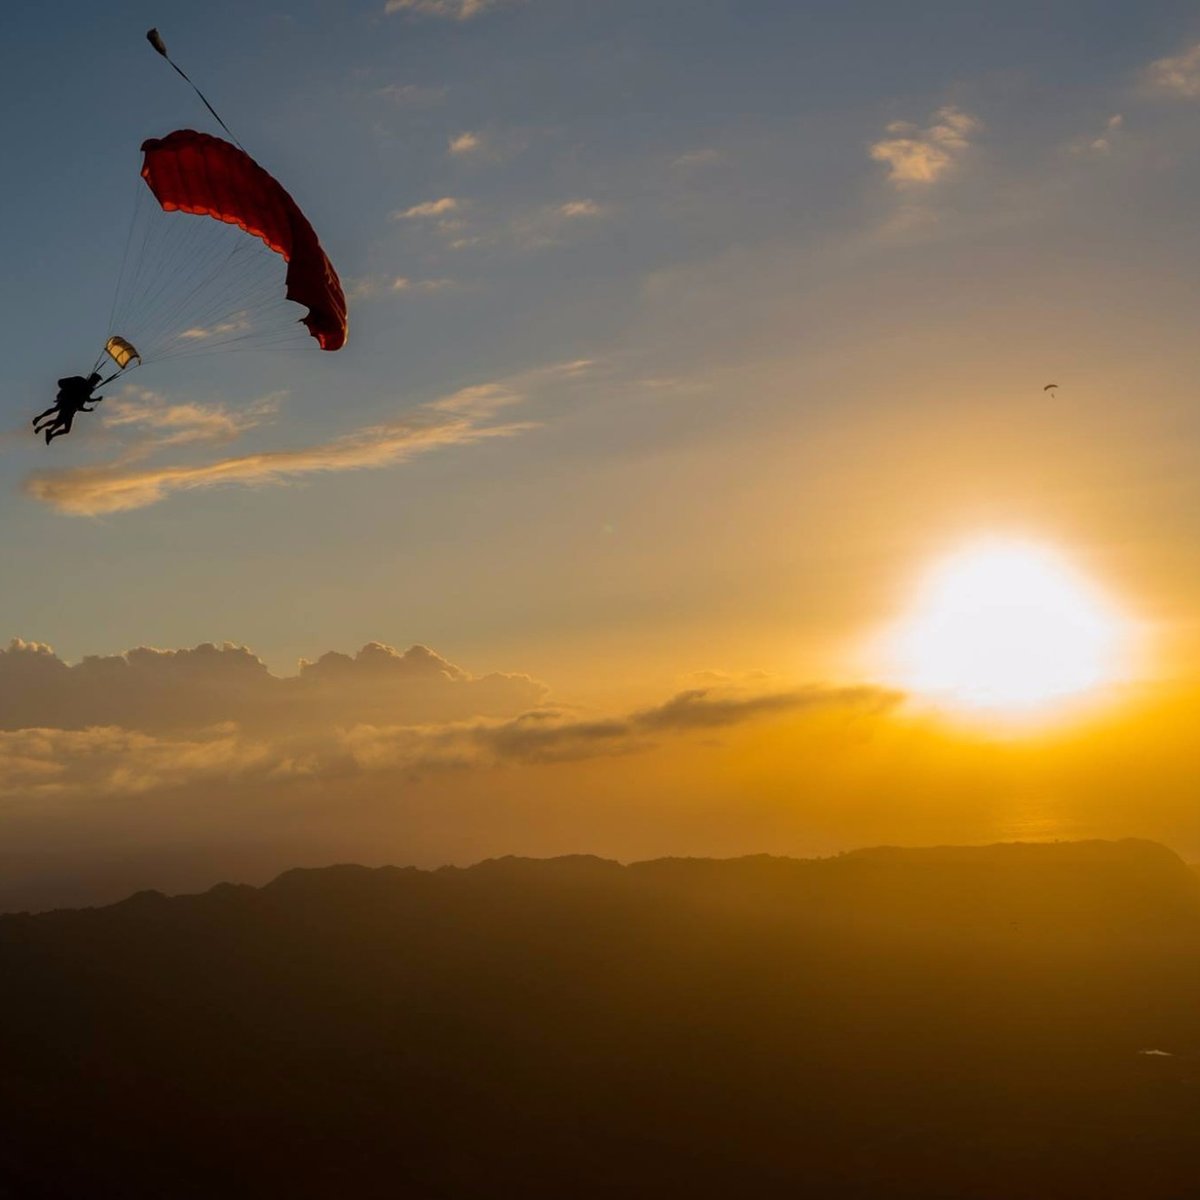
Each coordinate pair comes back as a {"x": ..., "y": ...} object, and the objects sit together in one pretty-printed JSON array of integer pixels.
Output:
[
  {"x": 112, "y": 312},
  {"x": 155, "y": 39},
  {"x": 182, "y": 283},
  {"x": 230, "y": 286},
  {"x": 192, "y": 286}
]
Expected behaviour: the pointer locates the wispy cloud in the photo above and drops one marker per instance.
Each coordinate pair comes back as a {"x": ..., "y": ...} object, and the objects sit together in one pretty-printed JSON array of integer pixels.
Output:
[
  {"x": 403, "y": 284},
  {"x": 429, "y": 208},
  {"x": 1177, "y": 75},
  {"x": 412, "y": 95},
  {"x": 1101, "y": 143},
  {"x": 455, "y": 10},
  {"x": 366, "y": 288},
  {"x": 916, "y": 156},
  {"x": 463, "y": 418},
  {"x": 93, "y": 490},
  {"x": 373, "y": 287},
  {"x": 527, "y": 228},
  {"x": 705, "y": 156},
  {"x": 548, "y": 225},
  {"x": 543, "y": 737},
  {"x": 158, "y": 423},
  {"x": 580, "y": 208}
]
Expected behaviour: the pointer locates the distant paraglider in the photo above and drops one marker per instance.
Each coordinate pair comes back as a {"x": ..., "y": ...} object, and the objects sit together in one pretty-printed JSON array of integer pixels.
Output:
[
  {"x": 1050, "y": 387},
  {"x": 245, "y": 277}
]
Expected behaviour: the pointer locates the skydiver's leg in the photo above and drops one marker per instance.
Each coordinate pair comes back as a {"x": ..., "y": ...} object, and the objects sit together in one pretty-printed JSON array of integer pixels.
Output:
[
  {"x": 61, "y": 426},
  {"x": 48, "y": 413}
]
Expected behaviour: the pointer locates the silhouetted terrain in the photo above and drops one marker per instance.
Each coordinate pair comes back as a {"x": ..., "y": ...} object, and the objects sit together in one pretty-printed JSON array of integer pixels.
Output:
[{"x": 953, "y": 1022}]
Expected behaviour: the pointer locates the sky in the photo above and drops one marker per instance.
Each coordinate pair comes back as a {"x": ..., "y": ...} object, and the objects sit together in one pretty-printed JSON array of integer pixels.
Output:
[{"x": 683, "y": 338}]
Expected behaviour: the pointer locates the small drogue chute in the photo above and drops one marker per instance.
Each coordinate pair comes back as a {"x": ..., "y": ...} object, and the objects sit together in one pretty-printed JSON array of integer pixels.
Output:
[{"x": 121, "y": 352}]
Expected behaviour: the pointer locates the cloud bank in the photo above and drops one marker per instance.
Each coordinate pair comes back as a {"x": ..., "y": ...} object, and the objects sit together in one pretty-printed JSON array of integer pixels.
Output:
[
  {"x": 152, "y": 691},
  {"x": 152, "y": 718}
]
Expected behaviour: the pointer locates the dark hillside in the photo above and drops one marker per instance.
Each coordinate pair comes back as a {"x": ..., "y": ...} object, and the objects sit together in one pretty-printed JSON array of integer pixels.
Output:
[{"x": 952, "y": 1022}]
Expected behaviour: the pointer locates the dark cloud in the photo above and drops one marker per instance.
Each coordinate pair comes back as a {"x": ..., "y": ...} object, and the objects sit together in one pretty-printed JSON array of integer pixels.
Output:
[
  {"x": 700, "y": 709},
  {"x": 544, "y": 737}
]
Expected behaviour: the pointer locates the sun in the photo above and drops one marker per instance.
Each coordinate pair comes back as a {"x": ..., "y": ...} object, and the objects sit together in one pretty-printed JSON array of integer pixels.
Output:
[{"x": 1007, "y": 626}]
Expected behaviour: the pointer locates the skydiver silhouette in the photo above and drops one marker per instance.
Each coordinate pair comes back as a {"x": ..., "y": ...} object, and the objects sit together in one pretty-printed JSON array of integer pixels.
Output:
[{"x": 74, "y": 392}]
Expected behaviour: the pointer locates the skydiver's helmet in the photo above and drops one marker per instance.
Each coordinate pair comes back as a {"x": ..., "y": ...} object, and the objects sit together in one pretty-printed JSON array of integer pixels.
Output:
[{"x": 93, "y": 379}]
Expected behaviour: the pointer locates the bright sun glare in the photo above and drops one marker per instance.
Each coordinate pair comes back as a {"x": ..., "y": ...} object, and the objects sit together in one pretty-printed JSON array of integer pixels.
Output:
[{"x": 1007, "y": 626}]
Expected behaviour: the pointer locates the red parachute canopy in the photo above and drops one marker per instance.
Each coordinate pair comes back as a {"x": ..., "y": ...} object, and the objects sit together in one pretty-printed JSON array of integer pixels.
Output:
[{"x": 197, "y": 173}]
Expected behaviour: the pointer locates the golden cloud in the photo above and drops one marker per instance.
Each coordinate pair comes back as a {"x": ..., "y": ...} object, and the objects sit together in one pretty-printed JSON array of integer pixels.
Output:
[{"x": 923, "y": 156}]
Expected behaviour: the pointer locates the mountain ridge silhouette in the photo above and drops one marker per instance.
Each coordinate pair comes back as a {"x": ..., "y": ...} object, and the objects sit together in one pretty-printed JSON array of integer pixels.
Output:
[{"x": 957, "y": 1021}]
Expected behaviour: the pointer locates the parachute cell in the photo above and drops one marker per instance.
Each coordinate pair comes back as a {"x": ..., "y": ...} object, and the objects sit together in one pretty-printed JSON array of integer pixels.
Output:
[{"x": 197, "y": 173}]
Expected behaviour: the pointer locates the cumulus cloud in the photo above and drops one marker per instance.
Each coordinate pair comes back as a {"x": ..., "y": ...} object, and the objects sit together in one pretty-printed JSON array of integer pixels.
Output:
[
  {"x": 153, "y": 691},
  {"x": 1177, "y": 75},
  {"x": 461, "y": 419},
  {"x": 916, "y": 156}
]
